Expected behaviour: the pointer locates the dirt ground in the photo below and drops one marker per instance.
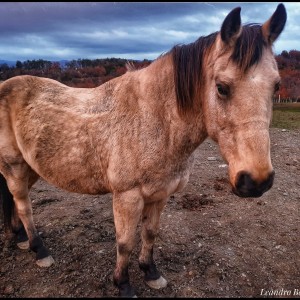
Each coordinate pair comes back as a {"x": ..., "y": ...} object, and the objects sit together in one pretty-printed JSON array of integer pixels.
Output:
[{"x": 211, "y": 242}]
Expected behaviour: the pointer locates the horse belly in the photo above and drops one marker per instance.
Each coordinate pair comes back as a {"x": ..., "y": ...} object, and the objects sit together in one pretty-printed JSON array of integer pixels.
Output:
[
  {"x": 73, "y": 173},
  {"x": 65, "y": 165}
]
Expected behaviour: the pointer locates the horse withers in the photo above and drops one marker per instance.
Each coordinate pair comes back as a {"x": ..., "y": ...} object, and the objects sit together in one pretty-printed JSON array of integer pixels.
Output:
[{"x": 135, "y": 135}]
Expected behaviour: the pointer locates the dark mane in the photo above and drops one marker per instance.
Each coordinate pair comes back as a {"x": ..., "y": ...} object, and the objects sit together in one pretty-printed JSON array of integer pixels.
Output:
[{"x": 188, "y": 59}]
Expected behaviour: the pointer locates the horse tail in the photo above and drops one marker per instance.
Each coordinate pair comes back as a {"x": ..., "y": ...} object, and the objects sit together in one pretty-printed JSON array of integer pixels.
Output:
[{"x": 7, "y": 203}]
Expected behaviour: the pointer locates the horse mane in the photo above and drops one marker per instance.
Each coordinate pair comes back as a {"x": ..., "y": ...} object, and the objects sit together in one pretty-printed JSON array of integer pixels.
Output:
[
  {"x": 188, "y": 61},
  {"x": 130, "y": 67}
]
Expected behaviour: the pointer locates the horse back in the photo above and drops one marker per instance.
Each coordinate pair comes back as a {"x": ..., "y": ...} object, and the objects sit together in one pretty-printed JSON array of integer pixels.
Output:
[{"x": 41, "y": 123}]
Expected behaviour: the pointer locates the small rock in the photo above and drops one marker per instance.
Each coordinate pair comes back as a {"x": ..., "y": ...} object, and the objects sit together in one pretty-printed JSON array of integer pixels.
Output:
[
  {"x": 223, "y": 166},
  {"x": 283, "y": 130},
  {"x": 9, "y": 289},
  {"x": 280, "y": 248},
  {"x": 211, "y": 158},
  {"x": 260, "y": 202}
]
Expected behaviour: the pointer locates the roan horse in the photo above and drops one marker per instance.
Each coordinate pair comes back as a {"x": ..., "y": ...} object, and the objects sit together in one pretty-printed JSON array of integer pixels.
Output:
[{"x": 134, "y": 136}]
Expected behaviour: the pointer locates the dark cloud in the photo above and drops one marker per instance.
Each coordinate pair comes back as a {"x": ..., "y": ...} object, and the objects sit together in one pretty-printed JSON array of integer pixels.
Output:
[{"x": 63, "y": 30}]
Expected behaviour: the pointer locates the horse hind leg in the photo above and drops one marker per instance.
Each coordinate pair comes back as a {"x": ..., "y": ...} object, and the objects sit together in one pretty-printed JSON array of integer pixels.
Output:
[
  {"x": 19, "y": 178},
  {"x": 150, "y": 227},
  {"x": 17, "y": 225},
  {"x": 13, "y": 224}
]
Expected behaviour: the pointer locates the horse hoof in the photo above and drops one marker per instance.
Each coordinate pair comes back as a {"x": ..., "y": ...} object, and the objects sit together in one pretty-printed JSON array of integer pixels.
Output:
[
  {"x": 23, "y": 245},
  {"x": 158, "y": 283},
  {"x": 45, "y": 262}
]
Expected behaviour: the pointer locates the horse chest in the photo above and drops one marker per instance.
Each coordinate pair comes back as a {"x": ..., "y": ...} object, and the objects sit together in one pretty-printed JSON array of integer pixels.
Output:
[{"x": 152, "y": 192}]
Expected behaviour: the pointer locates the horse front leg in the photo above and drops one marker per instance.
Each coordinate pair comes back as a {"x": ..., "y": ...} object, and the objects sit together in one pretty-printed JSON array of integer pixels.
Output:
[
  {"x": 127, "y": 208},
  {"x": 150, "y": 228}
]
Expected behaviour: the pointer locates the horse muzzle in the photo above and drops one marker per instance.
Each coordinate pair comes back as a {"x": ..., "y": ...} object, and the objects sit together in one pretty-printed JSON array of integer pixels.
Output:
[{"x": 246, "y": 186}]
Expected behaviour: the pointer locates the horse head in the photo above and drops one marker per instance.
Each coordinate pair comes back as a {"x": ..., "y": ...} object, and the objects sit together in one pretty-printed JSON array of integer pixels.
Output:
[{"x": 240, "y": 82}]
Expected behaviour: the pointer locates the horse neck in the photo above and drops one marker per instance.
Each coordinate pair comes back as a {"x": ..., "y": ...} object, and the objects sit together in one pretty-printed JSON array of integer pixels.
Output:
[{"x": 158, "y": 89}]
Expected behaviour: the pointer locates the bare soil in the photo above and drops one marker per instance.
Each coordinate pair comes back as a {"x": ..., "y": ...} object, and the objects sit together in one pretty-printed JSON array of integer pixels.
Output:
[{"x": 211, "y": 242}]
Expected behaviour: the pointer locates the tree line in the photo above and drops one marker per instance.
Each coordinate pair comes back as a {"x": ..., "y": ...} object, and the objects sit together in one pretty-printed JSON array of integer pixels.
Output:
[
  {"x": 94, "y": 72},
  {"x": 289, "y": 69},
  {"x": 75, "y": 73}
]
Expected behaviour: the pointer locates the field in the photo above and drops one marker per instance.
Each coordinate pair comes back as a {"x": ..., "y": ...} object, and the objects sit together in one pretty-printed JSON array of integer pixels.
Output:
[
  {"x": 211, "y": 242},
  {"x": 286, "y": 115}
]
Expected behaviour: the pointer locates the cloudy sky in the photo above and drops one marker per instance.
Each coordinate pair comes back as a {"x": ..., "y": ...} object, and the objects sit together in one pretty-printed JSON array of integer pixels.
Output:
[{"x": 133, "y": 30}]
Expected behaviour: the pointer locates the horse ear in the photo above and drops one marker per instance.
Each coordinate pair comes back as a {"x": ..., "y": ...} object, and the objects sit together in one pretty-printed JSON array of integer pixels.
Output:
[
  {"x": 231, "y": 27},
  {"x": 274, "y": 26}
]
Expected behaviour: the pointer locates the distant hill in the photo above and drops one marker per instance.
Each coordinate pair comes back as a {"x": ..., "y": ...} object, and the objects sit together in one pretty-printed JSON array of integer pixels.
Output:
[{"x": 12, "y": 63}]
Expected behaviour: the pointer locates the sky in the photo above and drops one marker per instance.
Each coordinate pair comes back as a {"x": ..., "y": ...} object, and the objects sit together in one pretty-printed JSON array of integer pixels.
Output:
[{"x": 132, "y": 30}]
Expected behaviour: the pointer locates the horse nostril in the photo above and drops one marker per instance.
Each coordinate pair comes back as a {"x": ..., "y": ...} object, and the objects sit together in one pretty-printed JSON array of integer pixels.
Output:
[
  {"x": 247, "y": 187},
  {"x": 244, "y": 183}
]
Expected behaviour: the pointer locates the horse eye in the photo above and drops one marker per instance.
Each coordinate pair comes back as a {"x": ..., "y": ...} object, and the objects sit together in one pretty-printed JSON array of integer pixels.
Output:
[
  {"x": 277, "y": 87},
  {"x": 223, "y": 90}
]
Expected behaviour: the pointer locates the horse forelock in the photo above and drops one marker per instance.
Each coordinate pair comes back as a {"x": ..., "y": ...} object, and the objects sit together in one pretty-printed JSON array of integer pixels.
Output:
[{"x": 249, "y": 47}]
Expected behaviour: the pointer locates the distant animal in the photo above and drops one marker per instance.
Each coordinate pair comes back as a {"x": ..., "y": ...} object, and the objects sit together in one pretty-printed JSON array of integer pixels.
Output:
[{"x": 135, "y": 135}]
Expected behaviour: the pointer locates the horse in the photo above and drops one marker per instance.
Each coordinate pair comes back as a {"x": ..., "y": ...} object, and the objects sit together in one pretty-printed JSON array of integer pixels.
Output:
[{"x": 135, "y": 135}]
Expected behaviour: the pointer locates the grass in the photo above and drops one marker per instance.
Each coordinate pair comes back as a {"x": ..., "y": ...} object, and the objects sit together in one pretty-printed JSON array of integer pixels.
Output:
[{"x": 286, "y": 115}]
